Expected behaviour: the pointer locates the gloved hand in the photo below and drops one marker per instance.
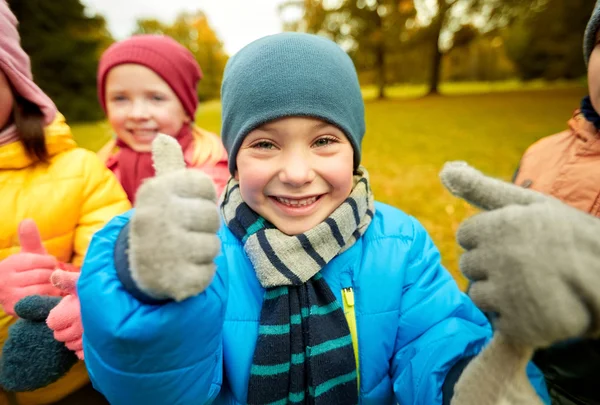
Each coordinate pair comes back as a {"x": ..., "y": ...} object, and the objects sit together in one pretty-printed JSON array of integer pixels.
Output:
[
  {"x": 28, "y": 272},
  {"x": 65, "y": 318},
  {"x": 532, "y": 259},
  {"x": 31, "y": 357},
  {"x": 173, "y": 241},
  {"x": 497, "y": 376}
]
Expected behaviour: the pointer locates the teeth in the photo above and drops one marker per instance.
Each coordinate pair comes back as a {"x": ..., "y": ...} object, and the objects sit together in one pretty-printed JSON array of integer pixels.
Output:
[
  {"x": 297, "y": 203},
  {"x": 144, "y": 132}
]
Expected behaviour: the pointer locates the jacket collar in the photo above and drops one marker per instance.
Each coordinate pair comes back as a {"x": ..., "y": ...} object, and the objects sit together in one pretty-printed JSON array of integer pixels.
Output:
[{"x": 58, "y": 139}]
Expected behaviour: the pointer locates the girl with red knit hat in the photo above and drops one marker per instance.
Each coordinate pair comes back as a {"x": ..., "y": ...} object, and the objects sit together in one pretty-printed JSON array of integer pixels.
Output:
[{"x": 147, "y": 85}]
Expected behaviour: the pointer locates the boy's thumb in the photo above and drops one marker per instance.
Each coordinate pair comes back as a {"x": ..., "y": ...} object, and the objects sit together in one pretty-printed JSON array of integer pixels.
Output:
[
  {"x": 482, "y": 191},
  {"x": 29, "y": 237},
  {"x": 167, "y": 155},
  {"x": 65, "y": 280}
]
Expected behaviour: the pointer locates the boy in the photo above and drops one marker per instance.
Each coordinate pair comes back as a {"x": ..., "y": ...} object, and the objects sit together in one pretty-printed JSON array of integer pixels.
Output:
[{"x": 321, "y": 294}]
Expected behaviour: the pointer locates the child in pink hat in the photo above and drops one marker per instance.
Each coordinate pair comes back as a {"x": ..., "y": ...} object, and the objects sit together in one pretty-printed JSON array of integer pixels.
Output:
[{"x": 147, "y": 85}]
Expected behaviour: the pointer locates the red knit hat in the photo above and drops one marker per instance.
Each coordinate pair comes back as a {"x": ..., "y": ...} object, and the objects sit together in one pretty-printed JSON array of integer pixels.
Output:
[{"x": 161, "y": 54}]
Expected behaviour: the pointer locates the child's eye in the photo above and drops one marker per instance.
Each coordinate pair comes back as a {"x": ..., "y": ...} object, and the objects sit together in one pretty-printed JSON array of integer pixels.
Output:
[
  {"x": 118, "y": 98},
  {"x": 157, "y": 97},
  {"x": 263, "y": 145},
  {"x": 324, "y": 141}
]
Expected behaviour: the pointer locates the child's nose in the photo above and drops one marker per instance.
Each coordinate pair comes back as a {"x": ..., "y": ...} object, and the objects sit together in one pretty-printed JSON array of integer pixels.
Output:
[
  {"x": 139, "y": 110},
  {"x": 296, "y": 171}
]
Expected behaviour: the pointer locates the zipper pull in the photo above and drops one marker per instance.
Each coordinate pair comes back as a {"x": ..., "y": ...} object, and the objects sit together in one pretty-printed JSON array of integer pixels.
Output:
[{"x": 348, "y": 295}]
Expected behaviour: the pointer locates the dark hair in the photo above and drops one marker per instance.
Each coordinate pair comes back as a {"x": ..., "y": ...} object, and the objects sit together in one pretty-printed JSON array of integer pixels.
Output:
[{"x": 29, "y": 120}]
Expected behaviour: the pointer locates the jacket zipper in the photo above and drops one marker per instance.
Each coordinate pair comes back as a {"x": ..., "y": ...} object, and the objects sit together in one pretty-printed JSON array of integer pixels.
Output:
[{"x": 348, "y": 301}]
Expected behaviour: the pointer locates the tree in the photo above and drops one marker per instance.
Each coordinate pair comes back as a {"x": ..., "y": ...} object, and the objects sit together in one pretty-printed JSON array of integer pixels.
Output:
[
  {"x": 548, "y": 43},
  {"x": 370, "y": 30},
  {"x": 64, "y": 46},
  {"x": 450, "y": 16},
  {"x": 193, "y": 31}
]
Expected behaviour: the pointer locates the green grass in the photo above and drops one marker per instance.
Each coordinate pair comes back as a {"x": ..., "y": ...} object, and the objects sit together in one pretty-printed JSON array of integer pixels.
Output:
[
  {"x": 409, "y": 139},
  {"x": 462, "y": 88}
]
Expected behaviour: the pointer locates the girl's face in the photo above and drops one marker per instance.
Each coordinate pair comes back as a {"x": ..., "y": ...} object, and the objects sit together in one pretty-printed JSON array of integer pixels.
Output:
[
  {"x": 295, "y": 172},
  {"x": 7, "y": 101},
  {"x": 594, "y": 75},
  {"x": 140, "y": 105}
]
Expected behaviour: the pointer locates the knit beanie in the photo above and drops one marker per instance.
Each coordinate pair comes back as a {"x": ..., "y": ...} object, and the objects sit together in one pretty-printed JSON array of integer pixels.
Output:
[
  {"x": 285, "y": 75},
  {"x": 15, "y": 64},
  {"x": 164, "y": 56},
  {"x": 589, "y": 38}
]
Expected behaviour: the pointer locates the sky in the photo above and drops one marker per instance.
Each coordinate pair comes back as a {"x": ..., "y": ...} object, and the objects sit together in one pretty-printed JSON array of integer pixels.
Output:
[{"x": 236, "y": 22}]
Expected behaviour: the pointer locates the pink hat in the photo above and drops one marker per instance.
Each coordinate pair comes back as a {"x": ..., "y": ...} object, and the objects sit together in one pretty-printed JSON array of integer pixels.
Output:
[
  {"x": 15, "y": 64},
  {"x": 161, "y": 54}
]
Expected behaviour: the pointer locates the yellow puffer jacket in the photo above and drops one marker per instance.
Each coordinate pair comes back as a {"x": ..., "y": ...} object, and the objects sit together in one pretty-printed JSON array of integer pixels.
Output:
[{"x": 70, "y": 198}]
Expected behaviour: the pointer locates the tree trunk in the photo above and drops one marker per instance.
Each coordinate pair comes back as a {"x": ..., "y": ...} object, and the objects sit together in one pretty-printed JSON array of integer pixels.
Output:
[
  {"x": 436, "y": 68},
  {"x": 380, "y": 59},
  {"x": 381, "y": 71},
  {"x": 436, "y": 61}
]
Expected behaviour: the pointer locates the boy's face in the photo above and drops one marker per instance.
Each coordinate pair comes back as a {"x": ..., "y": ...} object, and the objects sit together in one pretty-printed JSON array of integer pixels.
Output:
[
  {"x": 594, "y": 75},
  {"x": 295, "y": 172},
  {"x": 140, "y": 104}
]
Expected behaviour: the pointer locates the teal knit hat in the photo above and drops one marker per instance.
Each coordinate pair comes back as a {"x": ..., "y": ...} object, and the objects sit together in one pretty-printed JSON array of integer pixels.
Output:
[
  {"x": 589, "y": 38},
  {"x": 285, "y": 75}
]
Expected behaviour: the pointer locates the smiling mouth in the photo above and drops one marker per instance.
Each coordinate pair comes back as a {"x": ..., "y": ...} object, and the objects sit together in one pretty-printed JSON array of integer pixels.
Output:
[
  {"x": 297, "y": 202},
  {"x": 143, "y": 132}
]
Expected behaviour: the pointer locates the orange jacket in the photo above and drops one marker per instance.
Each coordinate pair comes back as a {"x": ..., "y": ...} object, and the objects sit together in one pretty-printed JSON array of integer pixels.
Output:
[{"x": 566, "y": 165}]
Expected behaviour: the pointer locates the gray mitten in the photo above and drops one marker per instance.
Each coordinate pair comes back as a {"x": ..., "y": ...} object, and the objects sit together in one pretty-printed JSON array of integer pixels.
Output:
[
  {"x": 497, "y": 376},
  {"x": 173, "y": 241},
  {"x": 532, "y": 260}
]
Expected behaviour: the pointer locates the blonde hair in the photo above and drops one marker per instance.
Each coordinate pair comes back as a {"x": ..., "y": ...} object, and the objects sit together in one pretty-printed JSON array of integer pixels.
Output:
[{"x": 208, "y": 148}]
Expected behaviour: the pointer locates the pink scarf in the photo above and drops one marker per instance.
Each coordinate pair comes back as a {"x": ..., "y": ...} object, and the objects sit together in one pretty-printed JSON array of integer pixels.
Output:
[{"x": 135, "y": 167}]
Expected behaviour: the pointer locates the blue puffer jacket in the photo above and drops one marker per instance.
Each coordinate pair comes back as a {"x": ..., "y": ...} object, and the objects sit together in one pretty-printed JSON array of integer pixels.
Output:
[{"x": 413, "y": 323}]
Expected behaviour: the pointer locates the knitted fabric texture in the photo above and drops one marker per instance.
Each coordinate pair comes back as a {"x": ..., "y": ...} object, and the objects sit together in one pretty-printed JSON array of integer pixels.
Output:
[
  {"x": 589, "y": 112},
  {"x": 589, "y": 37},
  {"x": 285, "y": 75},
  {"x": 15, "y": 64},
  {"x": 304, "y": 350},
  {"x": 161, "y": 54},
  {"x": 31, "y": 357}
]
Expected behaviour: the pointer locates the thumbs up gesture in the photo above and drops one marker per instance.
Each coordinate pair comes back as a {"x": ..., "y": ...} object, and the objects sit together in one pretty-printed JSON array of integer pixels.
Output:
[
  {"x": 27, "y": 272},
  {"x": 172, "y": 238},
  {"x": 65, "y": 318},
  {"x": 532, "y": 260}
]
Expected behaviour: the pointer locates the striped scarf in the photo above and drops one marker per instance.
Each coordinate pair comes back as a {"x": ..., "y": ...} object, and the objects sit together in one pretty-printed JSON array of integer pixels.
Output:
[{"x": 304, "y": 352}]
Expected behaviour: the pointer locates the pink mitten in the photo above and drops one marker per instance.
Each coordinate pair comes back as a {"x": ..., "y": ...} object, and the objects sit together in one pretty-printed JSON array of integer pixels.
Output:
[
  {"x": 65, "y": 318},
  {"x": 28, "y": 272}
]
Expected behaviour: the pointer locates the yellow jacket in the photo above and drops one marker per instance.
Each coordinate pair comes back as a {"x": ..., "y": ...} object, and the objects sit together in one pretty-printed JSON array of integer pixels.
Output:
[{"x": 70, "y": 198}]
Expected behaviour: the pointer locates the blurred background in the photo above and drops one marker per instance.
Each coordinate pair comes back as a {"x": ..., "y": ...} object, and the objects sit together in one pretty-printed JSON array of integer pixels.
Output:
[{"x": 474, "y": 80}]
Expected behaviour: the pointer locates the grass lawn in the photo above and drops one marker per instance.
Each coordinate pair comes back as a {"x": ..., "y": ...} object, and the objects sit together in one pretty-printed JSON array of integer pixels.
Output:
[{"x": 409, "y": 139}]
